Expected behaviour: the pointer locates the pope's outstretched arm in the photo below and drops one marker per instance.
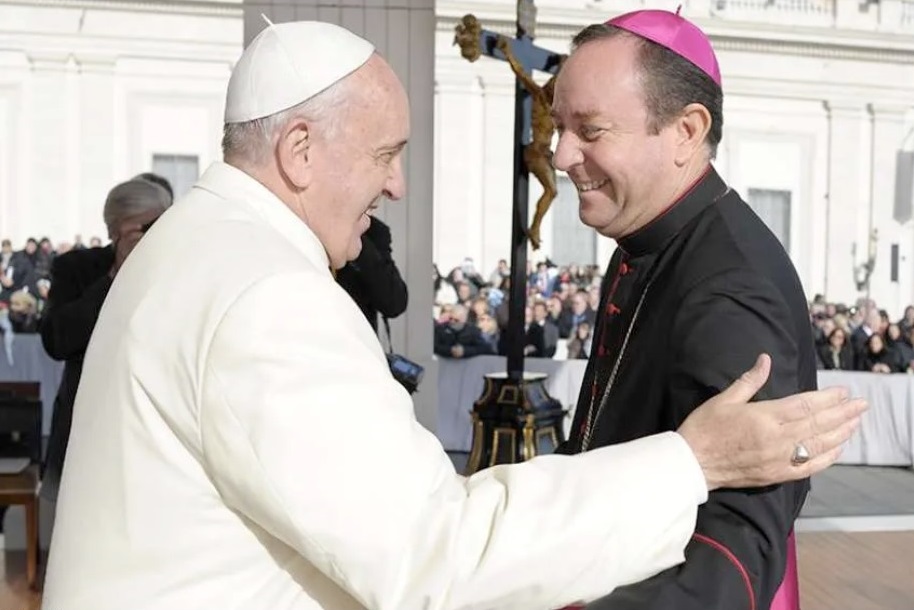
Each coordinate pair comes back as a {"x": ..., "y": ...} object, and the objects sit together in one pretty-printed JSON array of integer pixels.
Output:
[{"x": 320, "y": 448}]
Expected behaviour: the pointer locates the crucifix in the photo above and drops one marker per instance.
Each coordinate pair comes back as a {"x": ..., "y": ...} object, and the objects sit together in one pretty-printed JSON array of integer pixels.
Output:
[
  {"x": 533, "y": 129},
  {"x": 516, "y": 418}
]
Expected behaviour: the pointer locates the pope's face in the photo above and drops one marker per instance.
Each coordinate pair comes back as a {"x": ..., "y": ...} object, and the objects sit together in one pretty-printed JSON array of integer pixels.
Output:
[
  {"x": 361, "y": 163},
  {"x": 621, "y": 170}
]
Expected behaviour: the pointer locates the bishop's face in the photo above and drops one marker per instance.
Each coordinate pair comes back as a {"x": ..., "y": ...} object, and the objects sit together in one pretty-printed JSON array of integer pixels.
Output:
[{"x": 621, "y": 170}]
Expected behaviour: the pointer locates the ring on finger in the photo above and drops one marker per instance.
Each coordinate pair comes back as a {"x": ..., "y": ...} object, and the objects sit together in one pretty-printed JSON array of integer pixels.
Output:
[{"x": 800, "y": 455}]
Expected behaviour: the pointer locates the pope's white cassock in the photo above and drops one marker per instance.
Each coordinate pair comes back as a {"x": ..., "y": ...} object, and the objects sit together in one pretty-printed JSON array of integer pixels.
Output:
[{"x": 238, "y": 442}]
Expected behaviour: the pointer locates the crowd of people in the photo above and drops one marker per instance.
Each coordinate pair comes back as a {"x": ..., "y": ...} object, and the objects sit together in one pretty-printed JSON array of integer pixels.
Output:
[
  {"x": 862, "y": 337},
  {"x": 25, "y": 280},
  {"x": 471, "y": 311},
  {"x": 471, "y": 317}
]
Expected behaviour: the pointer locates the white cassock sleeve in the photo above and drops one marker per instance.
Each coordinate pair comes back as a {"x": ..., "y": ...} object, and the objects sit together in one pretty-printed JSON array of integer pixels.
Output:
[{"x": 305, "y": 432}]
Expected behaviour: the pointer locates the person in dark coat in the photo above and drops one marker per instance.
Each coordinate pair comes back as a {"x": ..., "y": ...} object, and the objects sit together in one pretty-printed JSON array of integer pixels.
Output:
[
  {"x": 456, "y": 338},
  {"x": 836, "y": 354},
  {"x": 373, "y": 280},
  {"x": 80, "y": 280},
  {"x": 696, "y": 290}
]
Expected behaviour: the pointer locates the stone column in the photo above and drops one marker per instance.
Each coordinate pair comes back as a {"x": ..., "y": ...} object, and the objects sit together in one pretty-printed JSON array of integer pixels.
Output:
[
  {"x": 496, "y": 161},
  {"x": 14, "y": 138},
  {"x": 890, "y": 12},
  {"x": 404, "y": 33},
  {"x": 49, "y": 138},
  {"x": 461, "y": 219},
  {"x": 94, "y": 105},
  {"x": 847, "y": 219},
  {"x": 888, "y": 132}
]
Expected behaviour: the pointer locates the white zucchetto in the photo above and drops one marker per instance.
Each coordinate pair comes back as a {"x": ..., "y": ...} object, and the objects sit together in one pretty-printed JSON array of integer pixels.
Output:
[{"x": 289, "y": 63}]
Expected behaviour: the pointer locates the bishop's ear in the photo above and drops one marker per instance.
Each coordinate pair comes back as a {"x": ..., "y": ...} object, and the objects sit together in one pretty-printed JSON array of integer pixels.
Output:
[
  {"x": 294, "y": 153},
  {"x": 692, "y": 129}
]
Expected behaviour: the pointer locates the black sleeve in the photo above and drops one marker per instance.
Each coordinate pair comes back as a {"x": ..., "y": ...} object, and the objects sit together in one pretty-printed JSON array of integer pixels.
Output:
[
  {"x": 737, "y": 557},
  {"x": 71, "y": 312},
  {"x": 378, "y": 273}
]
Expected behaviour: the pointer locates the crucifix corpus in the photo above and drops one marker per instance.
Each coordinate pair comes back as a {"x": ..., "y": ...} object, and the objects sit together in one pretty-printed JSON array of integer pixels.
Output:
[{"x": 516, "y": 418}]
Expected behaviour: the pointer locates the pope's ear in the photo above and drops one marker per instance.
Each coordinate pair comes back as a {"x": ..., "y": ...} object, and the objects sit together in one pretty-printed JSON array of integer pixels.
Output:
[{"x": 293, "y": 151}]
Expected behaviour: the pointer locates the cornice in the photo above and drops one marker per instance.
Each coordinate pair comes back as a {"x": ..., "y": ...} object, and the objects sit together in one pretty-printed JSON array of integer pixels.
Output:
[
  {"x": 814, "y": 49},
  {"x": 739, "y": 36},
  {"x": 121, "y": 48},
  {"x": 233, "y": 10},
  {"x": 889, "y": 112},
  {"x": 49, "y": 61},
  {"x": 839, "y": 98}
]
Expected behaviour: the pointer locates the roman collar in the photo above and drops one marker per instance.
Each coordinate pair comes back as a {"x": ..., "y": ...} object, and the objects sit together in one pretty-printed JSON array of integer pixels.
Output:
[{"x": 655, "y": 235}]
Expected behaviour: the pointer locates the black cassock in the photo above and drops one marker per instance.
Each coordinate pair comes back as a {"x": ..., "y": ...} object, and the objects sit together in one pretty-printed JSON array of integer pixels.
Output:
[{"x": 690, "y": 301}]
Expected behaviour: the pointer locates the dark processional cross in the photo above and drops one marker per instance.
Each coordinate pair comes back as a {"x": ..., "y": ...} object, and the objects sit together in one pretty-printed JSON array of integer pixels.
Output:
[{"x": 515, "y": 418}]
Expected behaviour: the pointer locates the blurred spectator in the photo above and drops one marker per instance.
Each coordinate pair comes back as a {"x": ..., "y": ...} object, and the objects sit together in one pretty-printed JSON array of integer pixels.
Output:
[
  {"x": 501, "y": 272},
  {"x": 489, "y": 329},
  {"x": 160, "y": 180},
  {"x": 907, "y": 321},
  {"x": 579, "y": 345},
  {"x": 876, "y": 358},
  {"x": 23, "y": 312},
  {"x": 18, "y": 273},
  {"x": 471, "y": 275},
  {"x": 479, "y": 307},
  {"x": 836, "y": 354},
  {"x": 870, "y": 324},
  {"x": 6, "y": 252},
  {"x": 458, "y": 339},
  {"x": 43, "y": 259},
  {"x": 550, "y": 330},
  {"x": 905, "y": 349},
  {"x": 79, "y": 284},
  {"x": 444, "y": 291},
  {"x": 534, "y": 337}
]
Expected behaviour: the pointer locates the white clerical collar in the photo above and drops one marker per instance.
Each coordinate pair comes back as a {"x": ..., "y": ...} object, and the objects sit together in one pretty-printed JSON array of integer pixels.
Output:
[{"x": 230, "y": 183}]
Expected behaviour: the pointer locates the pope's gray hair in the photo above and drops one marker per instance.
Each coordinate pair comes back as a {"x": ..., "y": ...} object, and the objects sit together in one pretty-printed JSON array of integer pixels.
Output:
[
  {"x": 253, "y": 141},
  {"x": 134, "y": 197}
]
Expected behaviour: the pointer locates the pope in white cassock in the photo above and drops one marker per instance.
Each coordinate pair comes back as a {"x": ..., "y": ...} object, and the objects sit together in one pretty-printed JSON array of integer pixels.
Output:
[{"x": 239, "y": 442}]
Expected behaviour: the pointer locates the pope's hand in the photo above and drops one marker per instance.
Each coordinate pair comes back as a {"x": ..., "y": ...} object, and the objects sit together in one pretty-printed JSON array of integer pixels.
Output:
[
  {"x": 502, "y": 44},
  {"x": 742, "y": 445}
]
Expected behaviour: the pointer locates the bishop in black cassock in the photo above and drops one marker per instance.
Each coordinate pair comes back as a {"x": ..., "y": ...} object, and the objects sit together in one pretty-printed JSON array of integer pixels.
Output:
[
  {"x": 692, "y": 296},
  {"x": 688, "y": 303}
]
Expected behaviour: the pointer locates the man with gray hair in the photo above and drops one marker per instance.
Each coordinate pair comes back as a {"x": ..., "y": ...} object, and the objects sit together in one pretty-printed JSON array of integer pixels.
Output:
[
  {"x": 239, "y": 441},
  {"x": 80, "y": 280}
]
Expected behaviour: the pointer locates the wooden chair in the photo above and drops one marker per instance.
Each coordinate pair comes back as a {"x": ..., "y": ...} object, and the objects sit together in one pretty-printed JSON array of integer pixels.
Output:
[{"x": 20, "y": 437}]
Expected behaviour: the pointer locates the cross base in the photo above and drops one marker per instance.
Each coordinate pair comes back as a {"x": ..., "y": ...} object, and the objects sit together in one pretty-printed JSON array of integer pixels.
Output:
[{"x": 513, "y": 421}]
